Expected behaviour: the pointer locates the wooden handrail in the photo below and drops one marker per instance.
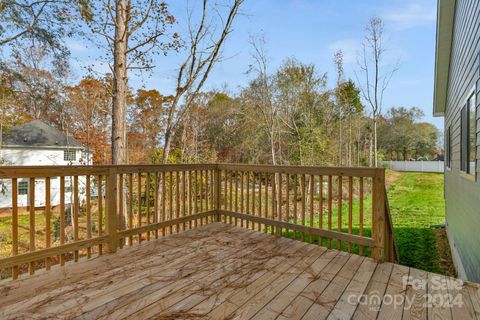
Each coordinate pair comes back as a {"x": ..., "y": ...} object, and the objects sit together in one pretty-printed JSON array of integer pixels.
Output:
[
  {"x": 381, "y": 242},
  {"x": 144, "y": 201}
]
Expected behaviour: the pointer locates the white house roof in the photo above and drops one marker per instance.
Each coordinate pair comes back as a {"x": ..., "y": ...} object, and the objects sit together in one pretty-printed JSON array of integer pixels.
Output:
[
  {"x": 445, "y": 21},
  {"x": 38, "y": 134}
]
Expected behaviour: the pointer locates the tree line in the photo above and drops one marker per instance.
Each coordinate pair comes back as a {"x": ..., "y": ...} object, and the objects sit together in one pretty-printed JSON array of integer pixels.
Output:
[{"x": 289, "y": 115}]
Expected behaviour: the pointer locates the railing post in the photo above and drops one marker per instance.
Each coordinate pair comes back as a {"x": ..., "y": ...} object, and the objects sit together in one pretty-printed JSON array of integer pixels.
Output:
[
  {"x": 378, "y": 222},
  {"x": 111, "y": 210},
  {"x": 217, "y": 193}
]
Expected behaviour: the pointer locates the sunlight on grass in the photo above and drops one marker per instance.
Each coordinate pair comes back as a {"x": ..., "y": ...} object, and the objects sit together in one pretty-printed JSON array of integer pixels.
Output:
[{"x": 416, "y": 203}]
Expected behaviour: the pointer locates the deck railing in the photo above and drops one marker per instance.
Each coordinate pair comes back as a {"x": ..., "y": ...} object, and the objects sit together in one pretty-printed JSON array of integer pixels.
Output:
[{"x": 103, "y": 208}]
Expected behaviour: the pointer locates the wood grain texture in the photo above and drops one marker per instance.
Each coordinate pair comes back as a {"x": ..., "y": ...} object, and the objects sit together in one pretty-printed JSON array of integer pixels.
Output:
[{"x": 219, "y": 271}]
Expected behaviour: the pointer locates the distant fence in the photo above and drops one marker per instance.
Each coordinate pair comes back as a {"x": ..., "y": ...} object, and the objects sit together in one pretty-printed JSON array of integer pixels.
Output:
[{"x": 415, "y": 166}]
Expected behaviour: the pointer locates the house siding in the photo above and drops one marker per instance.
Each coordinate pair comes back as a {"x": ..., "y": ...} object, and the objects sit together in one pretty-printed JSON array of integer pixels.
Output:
[
  {"x": 40, "y": 157},
  {"x": 462, "y": 195}
]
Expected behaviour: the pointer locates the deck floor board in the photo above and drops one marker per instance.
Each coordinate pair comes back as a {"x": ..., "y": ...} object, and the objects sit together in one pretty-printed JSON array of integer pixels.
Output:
[{"x": 218, "y": 271}]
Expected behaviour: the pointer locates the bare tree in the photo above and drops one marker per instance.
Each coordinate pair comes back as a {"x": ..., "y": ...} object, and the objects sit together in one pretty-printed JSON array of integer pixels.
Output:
[
  {"x": 262, "y": 93},
  {"x": 203, "y": 52},
  {"x": 133, "y": 32},
  {"x": 376, "y": 76}
]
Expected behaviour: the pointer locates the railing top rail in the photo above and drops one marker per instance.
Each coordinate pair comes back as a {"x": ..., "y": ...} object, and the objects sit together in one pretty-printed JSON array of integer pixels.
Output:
[
  {"x": 7, "y": 172},
  {"x": 54, "y": 171},
  {"x": 58, "y": 171},
  {"x": 336, "y": 171}
]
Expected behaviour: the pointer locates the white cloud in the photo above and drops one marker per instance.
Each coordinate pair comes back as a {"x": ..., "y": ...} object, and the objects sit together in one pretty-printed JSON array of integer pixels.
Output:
[
  {"x": 349, "y": 47},
  {"x": 412, "y": 15},
  {"x": 76, "y": 46}
]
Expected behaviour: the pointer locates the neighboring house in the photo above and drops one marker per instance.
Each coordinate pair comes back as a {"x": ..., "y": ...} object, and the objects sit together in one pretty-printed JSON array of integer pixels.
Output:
[
  {"x": 457, "y": 98},
  {"x": 38, "y": 144}
]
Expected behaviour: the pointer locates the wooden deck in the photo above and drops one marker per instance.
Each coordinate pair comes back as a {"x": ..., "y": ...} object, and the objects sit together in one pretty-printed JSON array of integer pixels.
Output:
[{"x": 218, "y": 271}]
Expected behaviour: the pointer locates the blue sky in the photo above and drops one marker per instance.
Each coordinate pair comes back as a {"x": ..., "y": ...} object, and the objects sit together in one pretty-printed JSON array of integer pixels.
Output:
[{"x": 311, "y": 31}]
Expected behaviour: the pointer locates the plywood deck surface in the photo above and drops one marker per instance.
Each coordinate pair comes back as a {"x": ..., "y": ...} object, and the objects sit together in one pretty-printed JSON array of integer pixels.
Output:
[{"x": 218, "y": 271}]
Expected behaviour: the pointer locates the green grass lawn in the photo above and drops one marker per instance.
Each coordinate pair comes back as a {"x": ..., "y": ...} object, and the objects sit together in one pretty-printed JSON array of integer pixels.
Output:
[{"x": 416, "y": 203}]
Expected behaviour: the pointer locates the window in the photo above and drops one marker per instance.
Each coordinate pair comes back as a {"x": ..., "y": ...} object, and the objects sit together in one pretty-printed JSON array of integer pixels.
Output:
[
  {"x": 23, "y": 187},
  {"x": 448, "y": 148},
  {"x": 468, "y": 132},
  {"x": 70, "y": 155},
  {"x": 472, "y": 128}
]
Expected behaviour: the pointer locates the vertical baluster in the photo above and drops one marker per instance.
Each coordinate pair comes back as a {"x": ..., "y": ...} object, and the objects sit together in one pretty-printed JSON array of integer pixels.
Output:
[
  {"x": 312, "y": 187},
  {"x": 236, "y": 196},
  {"x": 14, "y": 224},
  {"x": 99, "y": 215},
  {"x": 241, "y": 196},
  {"x": 280, "y": 202},
  {"x": 155, "y": 203},
  {"x": 274, "y": 197},
  {"x": 139, "y": 209},
  {"x": 88, "y": 213},
  {"x": 287, "y": 200},
  {"x": 225, "y": 194},
  {"x": 147, "y": 200},
  {"x": 170, "y": 200},
  {"x": 177, "y": 198},
  {"x": 265, "y": 213},
  {"x": 164, "y": 200},
  {"x": 320, "y": 207},
  {"x": 330, "y": 195},
  {"x": 295, "y": 214},
  {"x": 360, "y": 231},
  {"x": 130, "y": 206},
  {"x": 303, "y": 204},
  {"x": 230, "y": 201},
  {"x": 190, "y": 204},
  {"x": 121, "y": 224},
  {"x": 373, "y": 191},
  {"x": 254, "y": 195},
  {"x": 247, "y": 203},
  {"x": 32, "y": 222},
  {"x": 339, "y": 203},
  {"x": 75, "y": 214},
  {"x": 212, "y": 188},
  {"x": 195, "y": 195},
  {"x": 350, "y": 209},
  {"x": 184, "y": 197},
  {"x": 48, "y": 230},
  {"x": 260, "y": 199},
  {"x": 201, "y": 195},
  {"x": 206, "y": 193}
]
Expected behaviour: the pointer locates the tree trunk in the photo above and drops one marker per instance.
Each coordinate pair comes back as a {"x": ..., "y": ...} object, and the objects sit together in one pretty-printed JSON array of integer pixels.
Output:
[
  {"x": 375, "y": 158},
  {"x": 370, "y": 161},
  {"x": 340, "y": 142},
  {"x": 166, "y": 147},
  {"x": 350, "y": 147},
  {"x": 119, "y": 105},
  {"x": 119, "y": 132},
  {"x": 170, "y": 127}
]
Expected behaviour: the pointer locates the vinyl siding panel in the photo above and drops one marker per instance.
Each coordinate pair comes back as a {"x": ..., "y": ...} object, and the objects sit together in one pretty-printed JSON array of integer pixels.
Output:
[{"x": 462, "y": 195}]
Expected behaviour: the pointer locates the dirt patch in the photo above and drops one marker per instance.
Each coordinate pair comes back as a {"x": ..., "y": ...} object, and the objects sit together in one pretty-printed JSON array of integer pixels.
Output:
[
  {"x": 391, "y": 177},
  {"x": 445, "y": 261}
]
